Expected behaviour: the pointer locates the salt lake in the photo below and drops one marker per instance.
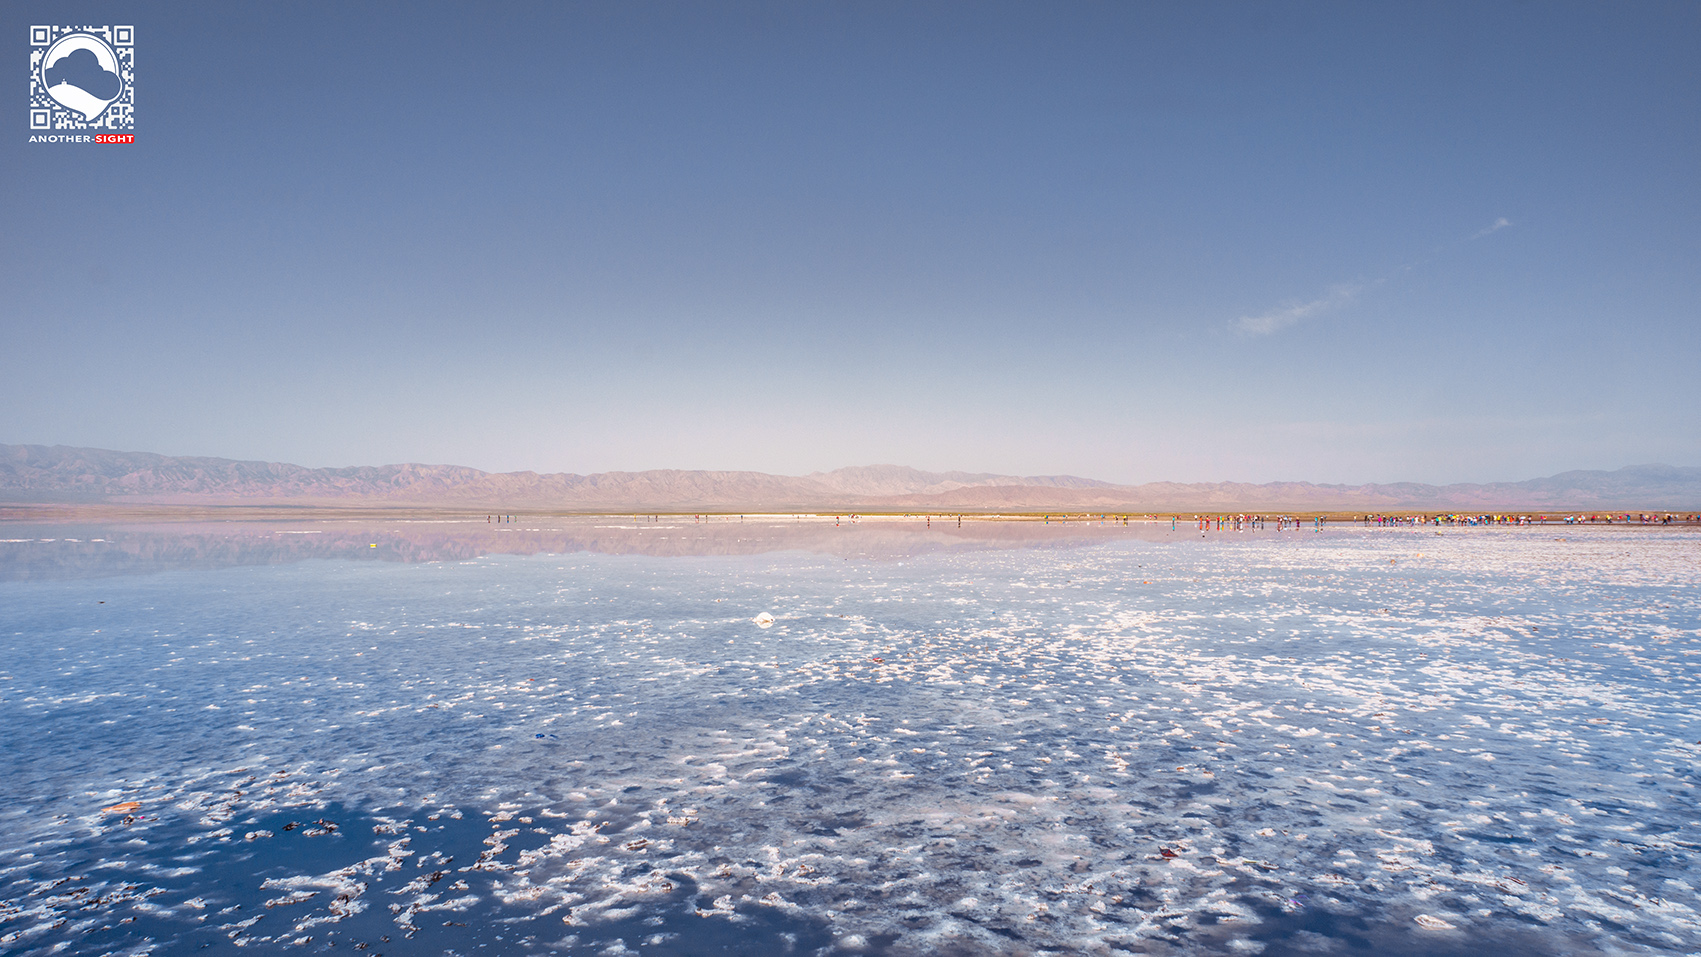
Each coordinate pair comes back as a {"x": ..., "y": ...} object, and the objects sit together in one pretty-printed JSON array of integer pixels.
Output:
[{"x": 573, "y": 736}]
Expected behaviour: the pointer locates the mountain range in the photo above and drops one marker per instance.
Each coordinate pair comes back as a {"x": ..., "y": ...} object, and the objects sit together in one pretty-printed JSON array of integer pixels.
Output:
[{"x": 63, "y": 474}]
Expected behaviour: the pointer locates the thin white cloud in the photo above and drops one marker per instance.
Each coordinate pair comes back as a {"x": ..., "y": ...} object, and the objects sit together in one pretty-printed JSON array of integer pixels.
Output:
[
  {"x": 1279, "y": 319},
  {"x": 1340, "y": 295},
  {"x": 1493, "y": 227}
]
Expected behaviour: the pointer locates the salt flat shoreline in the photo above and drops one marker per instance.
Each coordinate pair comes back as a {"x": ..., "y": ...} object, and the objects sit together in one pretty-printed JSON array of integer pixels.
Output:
[
  {"x": 57, "y": 547},
  {"x": 113, "y": 512}
]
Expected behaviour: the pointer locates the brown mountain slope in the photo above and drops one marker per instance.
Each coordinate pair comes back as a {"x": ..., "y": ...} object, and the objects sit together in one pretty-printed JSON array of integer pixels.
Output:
[{"x": 34, "y": 473}]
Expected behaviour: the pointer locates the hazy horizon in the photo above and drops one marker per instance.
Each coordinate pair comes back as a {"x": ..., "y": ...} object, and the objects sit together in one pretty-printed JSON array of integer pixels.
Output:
[
  {"x": 1320, "y": 242},
  {"x": 852, "y": 467},
  {"x": 847, "y": 466}
]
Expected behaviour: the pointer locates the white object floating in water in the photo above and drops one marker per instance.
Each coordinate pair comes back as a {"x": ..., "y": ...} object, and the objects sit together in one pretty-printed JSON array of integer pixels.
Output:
[
  {"x": 1432, "y": 923},
  {"x": 764, "y": 620}
]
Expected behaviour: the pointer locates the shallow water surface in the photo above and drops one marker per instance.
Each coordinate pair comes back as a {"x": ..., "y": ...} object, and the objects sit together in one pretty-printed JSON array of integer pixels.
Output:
[{"x": 1029, "y": 740}]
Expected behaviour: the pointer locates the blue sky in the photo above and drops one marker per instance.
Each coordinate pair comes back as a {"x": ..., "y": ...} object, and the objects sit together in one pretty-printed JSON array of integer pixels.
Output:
[{"x": 1331, "y": 242}]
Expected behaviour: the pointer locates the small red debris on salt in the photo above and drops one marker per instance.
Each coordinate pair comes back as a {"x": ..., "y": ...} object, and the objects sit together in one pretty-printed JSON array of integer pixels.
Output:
[{"x": 121, "y": 808}]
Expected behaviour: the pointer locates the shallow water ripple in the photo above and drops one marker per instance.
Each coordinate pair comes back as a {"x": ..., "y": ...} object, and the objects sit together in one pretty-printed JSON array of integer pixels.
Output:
[{"x": 1388, "y": 740}]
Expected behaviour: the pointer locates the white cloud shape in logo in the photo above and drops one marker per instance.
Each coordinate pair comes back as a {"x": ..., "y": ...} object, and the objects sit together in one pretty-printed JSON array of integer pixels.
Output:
[{"x": 80, "y": 72}]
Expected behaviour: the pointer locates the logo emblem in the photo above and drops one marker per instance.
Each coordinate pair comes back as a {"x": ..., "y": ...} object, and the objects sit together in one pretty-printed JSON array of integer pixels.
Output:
[{"x": 82, "y": 78}]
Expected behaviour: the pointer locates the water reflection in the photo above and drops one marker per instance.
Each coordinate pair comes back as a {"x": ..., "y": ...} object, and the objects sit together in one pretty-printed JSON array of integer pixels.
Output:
[
  {"x": 1036, "y": 739},
  {"x": 64, "y": 550}
]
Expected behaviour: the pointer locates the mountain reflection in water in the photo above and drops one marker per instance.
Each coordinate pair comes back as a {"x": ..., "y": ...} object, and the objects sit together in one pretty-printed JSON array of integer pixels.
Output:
[{"x": 48, "y": 551}]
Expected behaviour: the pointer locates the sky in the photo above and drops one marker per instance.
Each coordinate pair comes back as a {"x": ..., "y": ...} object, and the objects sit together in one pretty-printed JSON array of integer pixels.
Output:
[{"x": 1336, "y": 242}]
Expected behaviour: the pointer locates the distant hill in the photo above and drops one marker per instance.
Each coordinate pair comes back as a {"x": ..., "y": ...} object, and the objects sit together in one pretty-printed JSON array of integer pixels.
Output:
[
  {"x": 47, "y": 474},
  {"x": 881, "y": 481}
]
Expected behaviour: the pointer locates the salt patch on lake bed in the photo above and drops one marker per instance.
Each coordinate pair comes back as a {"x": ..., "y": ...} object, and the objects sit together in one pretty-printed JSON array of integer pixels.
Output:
[{"x": 1385, "y": 739}]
